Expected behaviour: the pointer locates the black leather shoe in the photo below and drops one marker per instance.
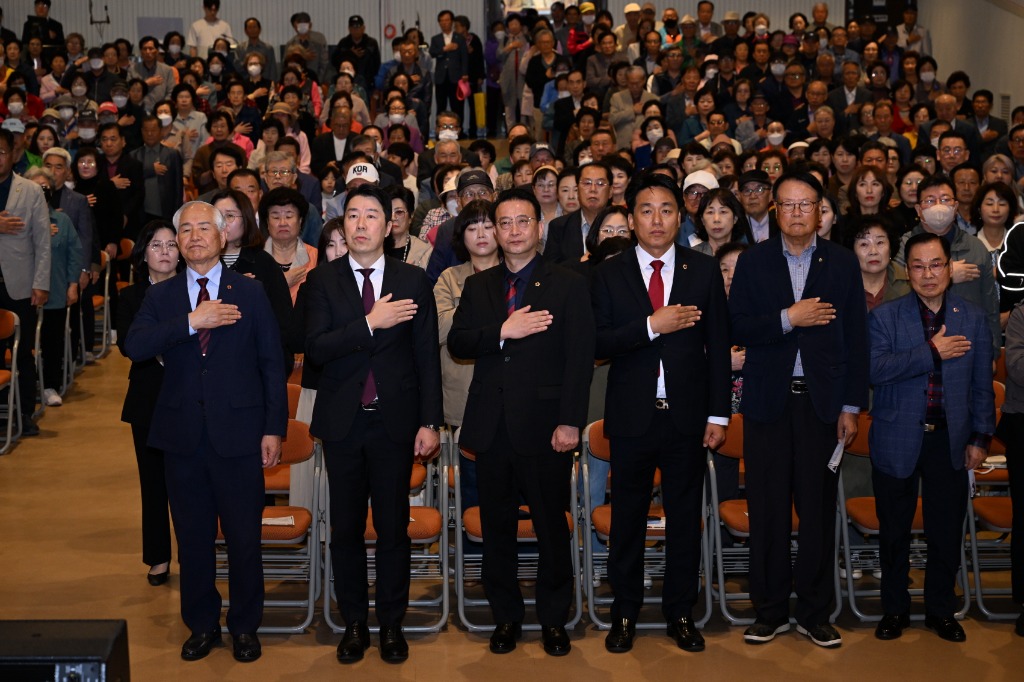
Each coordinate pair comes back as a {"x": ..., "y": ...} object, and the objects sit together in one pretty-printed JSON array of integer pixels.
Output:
[
  {"x": 198, "y": 646},
  {"x": 891, "y": 626},
  {"x": 29, "y": 428},
  {"x": 354, "y": 642},
  {"x": 1019, "y": 627},
  {"x": 246, "y": 647},
  {"x": 684, "y": 631},
  {"x": 393, "y": 647},
  {"x": 620, "y": 639},
  {"x": 946, "y": 627},
  {"x": 158, "y": 579},
  {"x": 504, "y": 637},
  {"x": 556, "y": 640}
]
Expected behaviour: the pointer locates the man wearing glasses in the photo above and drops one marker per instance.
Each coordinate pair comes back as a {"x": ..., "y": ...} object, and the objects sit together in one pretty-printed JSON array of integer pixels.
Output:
[
  {"x": 924, "y": 346},
  {"x": 529, "y": 327},
  {"x": 797, "y": 306},
  {"x": 756, "y": 197},
  {"x": 970, "y": 262},
  {"x": 567, "y": 234}
]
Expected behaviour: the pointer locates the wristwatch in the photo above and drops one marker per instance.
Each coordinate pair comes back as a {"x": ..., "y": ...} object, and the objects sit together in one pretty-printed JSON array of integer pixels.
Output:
[{"x": 431, "y": 427}]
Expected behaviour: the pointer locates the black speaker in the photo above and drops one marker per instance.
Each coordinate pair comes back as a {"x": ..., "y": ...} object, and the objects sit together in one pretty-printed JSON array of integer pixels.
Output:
[{"x": 64, "y": 651}]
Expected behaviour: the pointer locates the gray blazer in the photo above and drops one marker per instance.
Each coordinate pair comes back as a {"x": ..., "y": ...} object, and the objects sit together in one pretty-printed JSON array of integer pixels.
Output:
[{"x": 25, "y": 257}]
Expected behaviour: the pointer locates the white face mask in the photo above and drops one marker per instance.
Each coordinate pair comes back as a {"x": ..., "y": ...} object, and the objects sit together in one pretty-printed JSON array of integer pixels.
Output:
[
  {"x": 760, "y": 29},
  {"x": 119, "y": 101},
  {"x": 938, "y": 217},
  {"x": 215, "y": 69},
  {"x": 584, "y": 160},
  {"x": 775, "y": 139},
  {"x": 165, "y": 119},
  {"x": 588, "y": 19},
  {"x": 16, "y": 108},
  {"x": 254, "y": 70},
  {"x": 499, "y": 36},
  {"x": 66, "y": 113},
  {"x": 87, "y": 134},
  {"x": 95, "y": 64},
  {"x": 302, "y": 28},
  {"x": 398, "y": 56},
  {"x": 927, "y": 76},
  {"x": 78, "y": 90},
  {"x": 448, "y": 135},
  {"x": 453, "y": 207},
  {"x": 710, "y": 73},
  {"x": 935, "y": 142},
  {"x": 380, "y": 148},
  {"x": 396, "y": 118},
  {"x": 563, "y": 93},
  {"x": 174, "y": 49},
  {"x": 654, "y": 134},
  {"x": 778, "y": 70}
]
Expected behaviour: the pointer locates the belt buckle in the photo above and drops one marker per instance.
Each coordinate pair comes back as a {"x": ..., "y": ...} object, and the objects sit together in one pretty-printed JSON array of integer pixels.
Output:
[
  {"x": 370, "y": 407},
  {"x": 929, "y": 428},
  {"x": 660, "y": 404},
  {"x": 798, "y": 386}
]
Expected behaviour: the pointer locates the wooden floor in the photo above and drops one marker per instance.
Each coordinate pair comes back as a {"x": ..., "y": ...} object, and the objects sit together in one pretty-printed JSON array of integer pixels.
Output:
[{"x": 70, "y": 548}]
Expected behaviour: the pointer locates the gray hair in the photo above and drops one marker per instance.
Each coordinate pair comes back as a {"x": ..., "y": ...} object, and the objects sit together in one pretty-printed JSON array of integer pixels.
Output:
[
  {"x": 636, "y": 70},
  {"x": 448, "y": 143},
  {"x": 218, "y": 217},
  {"x": 38, "y": 171},
  {"x": 276, "y": 157}
]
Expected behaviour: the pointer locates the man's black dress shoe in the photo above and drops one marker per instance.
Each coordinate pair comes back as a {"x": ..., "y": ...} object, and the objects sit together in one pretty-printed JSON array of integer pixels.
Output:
[
  {"x": 157, "y": 579},
  {"x": 946, "y": 627},
  {"x": 556, "y": 640},
  {"x": 393, "y": 647},
  {"x": 504, "y": 637},
  {"x": 684, "y": 631},
  {"x": 354, "y": 642},
  {"x": 198, "y": 646},
  {"x": 29, "y": 427},
  {"x": 247, "y": 647},
  {"x": 891, "y": 626},
  {"x": 620, "y": 639}
]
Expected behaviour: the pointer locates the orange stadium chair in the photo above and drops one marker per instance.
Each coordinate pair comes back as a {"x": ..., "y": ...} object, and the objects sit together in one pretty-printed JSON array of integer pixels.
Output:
[{"x": 10, "y": 328}]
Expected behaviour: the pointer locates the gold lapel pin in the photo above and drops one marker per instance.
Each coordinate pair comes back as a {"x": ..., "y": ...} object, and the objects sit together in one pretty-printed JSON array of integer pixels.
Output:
[
  {"x": 684, "y": 266},
  {"x": 820, "y": 259},
  {"x": 229, "y": 286},
  {"x": 956, "y": 310},
  {"x": 536, "y": 284}
]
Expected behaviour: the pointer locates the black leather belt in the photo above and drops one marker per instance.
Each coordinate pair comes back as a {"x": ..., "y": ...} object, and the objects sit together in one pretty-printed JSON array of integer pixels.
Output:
[
  {"x": 371, "y": 407},
  {"x": 798, "y": 386},
  {"x": 660, "y": 404}
]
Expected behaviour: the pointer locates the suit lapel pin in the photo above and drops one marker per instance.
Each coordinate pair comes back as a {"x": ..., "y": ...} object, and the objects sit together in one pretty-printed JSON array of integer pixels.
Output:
[
  {"x": 820, "y": 259},
  {"x": 536, "y": 284},
  {"x": 684, "y": 266},
  {"x": 956, "y": 310},
  {"x": 229, "y": 286}
]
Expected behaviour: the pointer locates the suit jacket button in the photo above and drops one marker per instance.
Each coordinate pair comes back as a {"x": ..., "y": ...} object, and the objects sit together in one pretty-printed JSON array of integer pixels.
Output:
[
  {"x": 204, "y": 372},
  {"x": 507, "y": 358}
]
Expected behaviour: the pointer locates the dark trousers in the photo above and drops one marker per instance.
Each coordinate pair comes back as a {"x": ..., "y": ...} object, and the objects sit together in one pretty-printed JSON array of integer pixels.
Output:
[
  {"x": 444, "y": 97},
  {"x": 25, "y": 361},
  {"x": 201, "y": 487},
  {"x": 505, "y": 474},
  {"x": 156, "y": 526},
  {"x": 681, "y": 458},
  {"x": 787, "y": 464},
  {"x": 944, "y": 501},
  {"x": 88, "y": 318},
  {"x": 495, "y": 111},
  {"x": 368, "y": 466},
  {"x": 51, "y": 343},
  {"x": 1011, "y": 431}
]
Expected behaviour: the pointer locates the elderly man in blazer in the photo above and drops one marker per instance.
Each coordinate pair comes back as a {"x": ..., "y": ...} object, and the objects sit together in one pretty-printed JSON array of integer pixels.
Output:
[
  {"x": 371, "y": 324},
  {"x": 797, "y": 306},
  {"x": 663, "y": 321},
  {"x": 933, "y": 418},
  {"x": 219, "y": 420},
  {"x": 162, "y": 173},
  {"x": 529, "y": 327},
  {"x": 24, "y": 266}
]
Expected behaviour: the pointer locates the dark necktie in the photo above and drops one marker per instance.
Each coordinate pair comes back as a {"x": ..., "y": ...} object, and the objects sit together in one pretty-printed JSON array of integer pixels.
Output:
[
  {"x": 510, "y": 295},
  {"x": 370, "y": 387},
  {"x": 203, "y": 334},
  {"x": 656, "y": 289}
]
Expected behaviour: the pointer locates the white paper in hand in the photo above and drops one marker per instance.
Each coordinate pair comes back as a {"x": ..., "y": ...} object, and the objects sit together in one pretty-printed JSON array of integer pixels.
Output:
[{"x": 837, "y": 456}]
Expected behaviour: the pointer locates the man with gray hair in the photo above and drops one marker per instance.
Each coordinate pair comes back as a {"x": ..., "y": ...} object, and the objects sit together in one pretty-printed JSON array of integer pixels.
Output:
[
  {"x": 627, "y": 105},
  {"x": 280, "y": 170},
  {"x": 223, "y": 412}
]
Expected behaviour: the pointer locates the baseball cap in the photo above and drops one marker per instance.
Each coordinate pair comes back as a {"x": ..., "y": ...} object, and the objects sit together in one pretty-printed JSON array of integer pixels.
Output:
[
  {"x": 791, "y": 40},
  {"x": 108, "y": 108},
  {"x": 687, "y": 19},
  {"x": 587, "y": 7},
  {"x": 731, "y": 15},
  {"x": 119, "y": 86},
  {"x": 281, "y": 108},
  {"x": 701, "y": 177},
  {"x": 87, "y": 115},
  {"x": 541, "y": 148},
  {"x": 14, "y": 125},
  {"x": 631, "y": 7},
  {"x": 756, "y": 176},
  {"x": 355, "y": 20},
  {"x": 470, "y": 177},
  {"x": 58, "y": 151},
  {"x": 362, "y": 171}
]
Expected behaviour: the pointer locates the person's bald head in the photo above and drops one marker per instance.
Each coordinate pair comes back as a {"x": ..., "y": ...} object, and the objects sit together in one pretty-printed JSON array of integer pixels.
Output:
[{"x": 945, "y": 107}]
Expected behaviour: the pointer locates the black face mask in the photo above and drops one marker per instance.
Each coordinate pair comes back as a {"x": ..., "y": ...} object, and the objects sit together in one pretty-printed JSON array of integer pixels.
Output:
[{"x": 671, "y": 23}]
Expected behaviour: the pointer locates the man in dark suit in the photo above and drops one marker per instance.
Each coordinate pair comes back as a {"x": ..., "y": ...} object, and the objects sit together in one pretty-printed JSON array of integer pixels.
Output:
[
  {"x": 331, "y": 147},
  {"x": 946, "y": 110},
  {"x": 220, "y": 416},
  {"x": 990, "y": 128},
  {"x": 448, "y": 48},
  {"x": 933, "y": 419},
  {"x": 529, "y": 327},
  {"x": 371, "y": 323},
  {"x": 126, "y": 174},
  {"x": 161, "y": 171},
  {"x": 476, "y": 69},
  {"x": 662, "y": 320},
  {"x": 567, "y": 233},
  {"x": 847, "y": 100},
  {"x": 797, "y": 306}
]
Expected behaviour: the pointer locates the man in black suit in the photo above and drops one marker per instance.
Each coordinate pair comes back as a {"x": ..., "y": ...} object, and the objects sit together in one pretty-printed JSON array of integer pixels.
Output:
[
  {"x": 221, "y": 414},
  {"x": 126, "y": 174},
  {"x": 162, "y": 172},
  {"x": 566, "y": 108},
  {"x": 448, "y": 48},
  {"x": 529, "y": 327},
  {"x": 991, "y": 128},
  {"x": 371, "y": 324},
  {"x": 567, "y": 233},
  {"x": 476, "y": 69},
  {"x": 331, "y": 147},
  {"x": 662, "y": 320},
  {"x": 797, "y": 306},
  {"x": 946, "y": 110},
  {"x": 847, "y": 100}
]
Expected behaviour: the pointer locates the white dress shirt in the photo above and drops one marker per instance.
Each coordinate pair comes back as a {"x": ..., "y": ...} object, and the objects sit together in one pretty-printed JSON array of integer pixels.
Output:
[
  {"x": 376, "y": 279},
  {"x": 212, "y": 286}
]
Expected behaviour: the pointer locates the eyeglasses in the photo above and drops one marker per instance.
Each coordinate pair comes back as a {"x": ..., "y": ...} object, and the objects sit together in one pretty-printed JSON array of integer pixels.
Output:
[
  {"x": 279, "y": 173},
  {"x": 229, "y": 215},
  {"x": 911, "y": 182},
  {"x": 614, "y": 231},
  {"x": 794, "y": 75},
  {"x": 599, "y": 184},
  {"x": 395, "y": 212},
  {"x": 951, "y": 151},
  {"x": 768, "y": 168},
  {"x": 751, "y": 191},
  {"x": 521, "y": 221},
  {"x": 448, "y": 126},
  {"x": 157, "y": 247},
  {"x": 694, "y": 193},
  {"x": 934, "y": 267},
  {"x": 1018, "y": 141},
  {"x": 468, "y": 195},
  {"x": 83, "y": 164},
  {"x": 805, "y": 206},
  {"x": 544, "y": 185},
  {"x": 931, "y": 201}
]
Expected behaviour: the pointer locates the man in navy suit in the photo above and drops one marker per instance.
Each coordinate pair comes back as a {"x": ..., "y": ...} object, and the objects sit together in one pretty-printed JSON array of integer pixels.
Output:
[
  {"x": 926, "y": 346},
  {"x": 797, "y": 306},
  {"x": 219, "y": 419},
  {"x": 371, "y": 323},
  {"x": 448, "y": 48},
  {"x": 663, "y": 321}
]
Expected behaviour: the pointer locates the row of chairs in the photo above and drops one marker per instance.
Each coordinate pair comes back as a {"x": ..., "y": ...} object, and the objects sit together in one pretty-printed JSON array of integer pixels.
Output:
[{"x": 444, "y": 532}]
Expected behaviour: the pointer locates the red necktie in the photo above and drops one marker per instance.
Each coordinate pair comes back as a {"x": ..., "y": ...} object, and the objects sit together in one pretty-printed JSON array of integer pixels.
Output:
[
  {"x": 656, "y": 289},
  {"x": 370, "y": 387},
  {"x": 203, "y": 334},
  {"x": 510, "y": 295}
]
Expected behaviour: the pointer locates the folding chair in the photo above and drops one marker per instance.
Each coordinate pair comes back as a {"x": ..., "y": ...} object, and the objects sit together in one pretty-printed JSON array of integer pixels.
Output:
[
  {"x": 68, "y": 367},
  {"x": 290, "y": 550},
  {"x": 428, "y": 525},
  {"x": 468, "y": 566},
  {"x": 10, "y": 328},
  {"x": 860, "y": 546},
  {"x": 731, "y": 516},
  {"x": 37, "y": 355},
  {"x": 102, "y": 301},
  {"x": 598, "y": 520}
]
